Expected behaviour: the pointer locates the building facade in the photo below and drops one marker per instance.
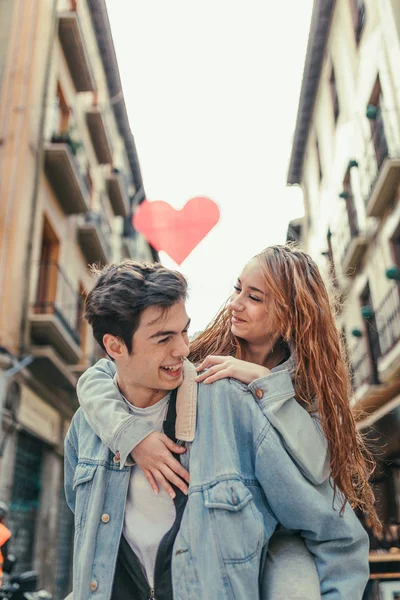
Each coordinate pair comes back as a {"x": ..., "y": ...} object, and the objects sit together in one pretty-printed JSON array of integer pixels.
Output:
[
  {"x": 346, "y": 158},
  {"x": 69, "y": 182}
]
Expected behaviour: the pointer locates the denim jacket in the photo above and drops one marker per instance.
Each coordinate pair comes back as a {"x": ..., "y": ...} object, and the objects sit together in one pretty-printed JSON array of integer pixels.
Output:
[
  {"x": 106, "y": 413},
  {"x": 242, "y": 484}
]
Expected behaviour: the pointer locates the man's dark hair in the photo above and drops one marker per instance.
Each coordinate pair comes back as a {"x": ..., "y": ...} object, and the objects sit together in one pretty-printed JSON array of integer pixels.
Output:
[{"x": 122, "y": 292}]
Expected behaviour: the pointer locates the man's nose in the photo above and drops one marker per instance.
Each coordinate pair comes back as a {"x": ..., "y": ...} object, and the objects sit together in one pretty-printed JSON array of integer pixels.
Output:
[{"x": 181, "y": 349}]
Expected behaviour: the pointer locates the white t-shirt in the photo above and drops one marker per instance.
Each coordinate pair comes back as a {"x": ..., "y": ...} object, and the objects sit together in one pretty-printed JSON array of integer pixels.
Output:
[{"x": 147, "y": 517}]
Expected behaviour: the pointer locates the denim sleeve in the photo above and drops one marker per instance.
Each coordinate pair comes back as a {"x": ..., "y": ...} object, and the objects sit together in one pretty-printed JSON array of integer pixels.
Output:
[
  {"x": 106, "y": 411},
  {"x": 339, "y": 543},
  {"x": 70, "y": 462},
  {"x": 301, "y": 433}
]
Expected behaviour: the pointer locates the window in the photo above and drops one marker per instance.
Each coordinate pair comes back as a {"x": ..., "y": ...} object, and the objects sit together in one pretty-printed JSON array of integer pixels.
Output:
[
  {"x": 334, "y": 94},
  {"x": 48, "y": 270},
  {"x": 329, "y": 254},
  {"x": 318, "y": 158},
  {"x": 358, "y": 13},
  {"x": 378, "y": 133},
  {"x": 395, "y": 243},
  {"x": 81, "y": 325},
  {"x": 350, "y": 205},
  {"x": 373, "y": 345}
]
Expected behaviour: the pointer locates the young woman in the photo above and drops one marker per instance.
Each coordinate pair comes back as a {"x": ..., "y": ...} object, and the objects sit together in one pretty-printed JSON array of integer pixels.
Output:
[{"x": 279, "y": 317}]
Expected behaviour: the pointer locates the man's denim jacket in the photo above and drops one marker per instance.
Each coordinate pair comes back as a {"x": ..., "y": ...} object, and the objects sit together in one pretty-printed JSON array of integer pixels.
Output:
[{"x": 243, "y": 482}]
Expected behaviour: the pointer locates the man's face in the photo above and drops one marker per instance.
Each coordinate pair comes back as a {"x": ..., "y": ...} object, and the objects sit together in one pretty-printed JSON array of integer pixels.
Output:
[{"x": 160, "y": 345}]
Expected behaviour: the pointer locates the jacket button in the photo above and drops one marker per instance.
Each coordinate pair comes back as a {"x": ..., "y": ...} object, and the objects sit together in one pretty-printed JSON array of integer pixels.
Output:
[
  {"x": 93, "y": 585},
  {"x": 105, "y": 518},
  {"x": 259, "y": 394}
]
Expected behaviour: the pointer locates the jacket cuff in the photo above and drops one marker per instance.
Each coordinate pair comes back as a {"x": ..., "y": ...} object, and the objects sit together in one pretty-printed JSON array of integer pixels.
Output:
[
  {"x": 128, "y": 436},
  {"x": 276, "y": 386}
]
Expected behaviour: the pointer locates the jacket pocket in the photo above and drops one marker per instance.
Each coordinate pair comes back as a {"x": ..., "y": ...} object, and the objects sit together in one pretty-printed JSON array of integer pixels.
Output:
[
  {"x": 82, "y": 486},
  {"x": 236, "y": 522}
]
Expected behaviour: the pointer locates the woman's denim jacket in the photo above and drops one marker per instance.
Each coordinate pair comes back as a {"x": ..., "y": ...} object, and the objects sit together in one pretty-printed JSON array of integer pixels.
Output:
[{"x": 243, "y": 482}]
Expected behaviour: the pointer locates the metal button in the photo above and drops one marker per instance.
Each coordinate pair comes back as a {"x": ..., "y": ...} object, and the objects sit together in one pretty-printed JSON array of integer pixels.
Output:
[
  {"x": 117, "y": 458},
  {"x": 93, "y": 585},
  {"x": 259, "y": 394},
  {"x": 105, "y": 518}
]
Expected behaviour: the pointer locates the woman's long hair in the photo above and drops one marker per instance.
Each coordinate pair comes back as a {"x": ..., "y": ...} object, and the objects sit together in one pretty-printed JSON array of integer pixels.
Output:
[{"x": 302, "y": 308}]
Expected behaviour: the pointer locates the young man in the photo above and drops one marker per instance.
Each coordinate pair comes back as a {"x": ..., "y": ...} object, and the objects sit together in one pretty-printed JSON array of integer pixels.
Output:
[{"x": 132, "y": 545}]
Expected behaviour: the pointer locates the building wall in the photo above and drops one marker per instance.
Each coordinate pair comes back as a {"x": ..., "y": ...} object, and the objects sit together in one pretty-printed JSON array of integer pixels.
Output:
[
  {"x": 38, "y": 100},
  {"x": 362, "y": 254}
]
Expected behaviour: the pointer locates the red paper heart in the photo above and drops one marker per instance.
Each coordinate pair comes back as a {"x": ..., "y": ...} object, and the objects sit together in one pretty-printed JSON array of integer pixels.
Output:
[{"x": 176, "y": 232}]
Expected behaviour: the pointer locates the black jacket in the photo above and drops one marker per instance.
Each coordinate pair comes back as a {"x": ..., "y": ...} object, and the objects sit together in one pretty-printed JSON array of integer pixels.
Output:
[{"x": 130, "y": 582}]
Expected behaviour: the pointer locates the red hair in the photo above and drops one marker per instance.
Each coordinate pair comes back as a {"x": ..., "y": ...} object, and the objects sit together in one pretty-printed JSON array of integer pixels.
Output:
[{"x": 303, "y": 310}]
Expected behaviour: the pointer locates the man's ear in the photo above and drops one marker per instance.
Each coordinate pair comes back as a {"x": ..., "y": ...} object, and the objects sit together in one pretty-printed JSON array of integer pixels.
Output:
[{"x": 113, "y": 345}]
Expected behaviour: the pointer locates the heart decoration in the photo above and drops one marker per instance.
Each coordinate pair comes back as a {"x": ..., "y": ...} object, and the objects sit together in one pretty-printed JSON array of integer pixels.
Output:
[{"x": 176, "y": 232}]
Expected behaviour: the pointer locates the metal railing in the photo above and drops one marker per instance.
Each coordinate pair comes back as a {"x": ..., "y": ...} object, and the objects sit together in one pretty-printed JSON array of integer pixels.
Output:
[
  {"x": 388, "y": 320},
  {"x": 344, "y": 238},
  {"x": 364, "y": 357},
  {"x": 361, "y": 366},
  {"x": 383, "y": 142},
  {"x": 57, "y": 296}
]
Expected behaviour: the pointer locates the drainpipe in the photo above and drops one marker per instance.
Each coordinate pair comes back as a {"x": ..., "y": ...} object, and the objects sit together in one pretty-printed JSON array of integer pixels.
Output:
[{"x": 24, "y": 327}]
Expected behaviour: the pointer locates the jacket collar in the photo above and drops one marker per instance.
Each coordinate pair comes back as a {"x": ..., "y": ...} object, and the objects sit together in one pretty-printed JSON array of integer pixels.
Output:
[
  {"x": 186, "y": 400},
  {"x": 186, "y": 403}
]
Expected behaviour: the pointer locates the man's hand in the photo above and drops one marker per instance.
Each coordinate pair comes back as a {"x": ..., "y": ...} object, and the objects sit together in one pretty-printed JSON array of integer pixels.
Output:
[
  {"x": 219, "y": 367},
  {"x": 154, "y": 456}
]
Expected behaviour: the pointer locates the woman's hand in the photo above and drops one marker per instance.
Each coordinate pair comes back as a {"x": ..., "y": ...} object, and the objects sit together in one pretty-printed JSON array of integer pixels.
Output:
[
  {"x": 219, "y": 367},
  {"x": 154, "y": 456}
]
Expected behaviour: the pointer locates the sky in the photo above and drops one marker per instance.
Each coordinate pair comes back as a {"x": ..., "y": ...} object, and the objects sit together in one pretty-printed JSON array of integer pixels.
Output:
[{"x": 212, "y": 91}]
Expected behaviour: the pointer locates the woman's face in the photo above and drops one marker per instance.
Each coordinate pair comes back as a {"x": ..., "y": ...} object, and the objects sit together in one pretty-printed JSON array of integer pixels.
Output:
[{"x": 253, "y": 316}]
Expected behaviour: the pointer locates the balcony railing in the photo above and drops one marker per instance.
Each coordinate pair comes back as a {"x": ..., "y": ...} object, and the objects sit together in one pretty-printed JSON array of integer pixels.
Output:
[
  {"x": 361, "y": 367},
  {"x": 64, "y": 170},
  {"x": 65, "y": 301},
  {"x": 94, "y": 235},
  {"x": 55, "y": 318},
  {"x": 351, "y": 241},
  {"x": 388, "y": 320},
  {"x": 380, "y": 165}
]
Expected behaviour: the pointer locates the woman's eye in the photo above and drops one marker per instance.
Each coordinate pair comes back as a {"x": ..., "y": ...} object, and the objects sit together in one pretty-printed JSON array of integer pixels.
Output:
[
  {"x": 163, "y": 340},
  {"x": 255, "y": 299},
  {"x": 237, "y": 289}
]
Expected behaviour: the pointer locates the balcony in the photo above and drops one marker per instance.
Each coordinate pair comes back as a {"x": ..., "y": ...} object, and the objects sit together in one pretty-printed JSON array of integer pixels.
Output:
[
  {"x": 93, "y": 237},
  {"x": 62, "y": 170},
  {"x": 388, "y": 325},
  {"x": 118, "y": 193},
  {"x": 352, "y": 241},
  {"x": 74, "y": 48},
  {"x": 100, "y": 137},
  {"x": 370, "y": 391},
  {"x": 54, "y": 315},
  {"x": 380, "y": 167},
  {"x": 51, "y": 369}
]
